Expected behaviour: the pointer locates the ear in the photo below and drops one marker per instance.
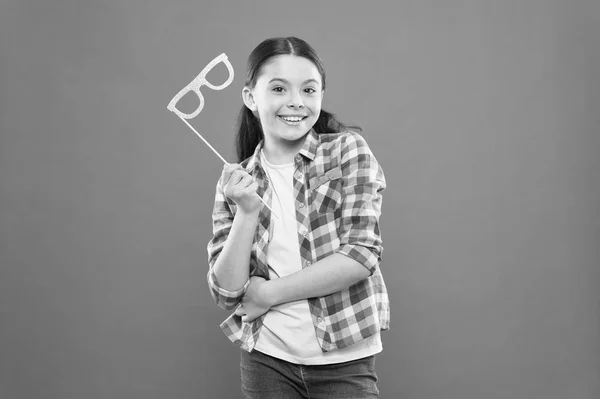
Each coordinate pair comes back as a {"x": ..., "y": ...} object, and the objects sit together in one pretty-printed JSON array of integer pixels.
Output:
[{"x": 248, "y": 99}]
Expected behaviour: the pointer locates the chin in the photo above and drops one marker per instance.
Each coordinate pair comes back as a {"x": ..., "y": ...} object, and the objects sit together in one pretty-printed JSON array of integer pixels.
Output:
[{"x": 294, "y": 137}]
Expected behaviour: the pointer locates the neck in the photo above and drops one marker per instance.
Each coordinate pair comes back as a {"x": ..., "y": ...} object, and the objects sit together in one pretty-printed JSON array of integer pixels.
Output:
[{"x": 282, "y": 152}]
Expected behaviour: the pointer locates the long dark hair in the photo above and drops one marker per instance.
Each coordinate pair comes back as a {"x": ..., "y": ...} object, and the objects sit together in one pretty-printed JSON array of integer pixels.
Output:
[{"x": 250, "y": 132}]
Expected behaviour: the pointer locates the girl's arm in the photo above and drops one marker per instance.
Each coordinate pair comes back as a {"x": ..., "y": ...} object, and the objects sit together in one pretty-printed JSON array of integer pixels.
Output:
[
  {"x": 232, "y": 267},
  {"x": 231, "y": 244},
  {"x": 331, "y": 274},
  {"x": 327, "y": 276}
]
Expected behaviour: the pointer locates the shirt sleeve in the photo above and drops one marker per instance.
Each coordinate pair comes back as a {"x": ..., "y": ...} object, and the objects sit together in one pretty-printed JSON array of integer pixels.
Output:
[
  {"x": 222, "y": 219},
  {"x": 363, "y": 183}
]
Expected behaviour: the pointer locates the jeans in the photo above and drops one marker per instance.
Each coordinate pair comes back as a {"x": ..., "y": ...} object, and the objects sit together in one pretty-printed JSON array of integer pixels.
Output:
[{"x": 267, "y": 377}]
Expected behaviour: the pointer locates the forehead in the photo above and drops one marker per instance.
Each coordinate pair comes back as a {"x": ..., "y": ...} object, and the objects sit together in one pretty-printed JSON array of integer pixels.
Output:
[{"x": 289, "y": 67}]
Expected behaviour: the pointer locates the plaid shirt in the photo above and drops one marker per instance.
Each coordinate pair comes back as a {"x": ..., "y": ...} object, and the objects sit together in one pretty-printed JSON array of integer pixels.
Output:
[{"x": 337, "y": 186}]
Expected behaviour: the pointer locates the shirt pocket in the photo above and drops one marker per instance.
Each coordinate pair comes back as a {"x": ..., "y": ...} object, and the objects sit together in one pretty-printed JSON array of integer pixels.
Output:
[{"x": 326, "y": 191}]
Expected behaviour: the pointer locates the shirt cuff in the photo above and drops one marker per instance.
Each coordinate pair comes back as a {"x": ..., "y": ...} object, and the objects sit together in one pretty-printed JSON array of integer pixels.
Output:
[
  {"x": 223, "y": 296},
  {"x": 361, "y": 254}
]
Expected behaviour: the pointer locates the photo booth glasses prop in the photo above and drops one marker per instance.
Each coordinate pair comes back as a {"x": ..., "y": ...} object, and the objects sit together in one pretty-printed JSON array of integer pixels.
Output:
[
  {"x": 198, "y": 82},
  {"x": 194, "y": 86}
]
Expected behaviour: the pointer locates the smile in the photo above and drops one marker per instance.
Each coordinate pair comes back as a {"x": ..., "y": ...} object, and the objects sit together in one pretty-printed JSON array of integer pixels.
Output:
[{"x": 291, "y": 119}]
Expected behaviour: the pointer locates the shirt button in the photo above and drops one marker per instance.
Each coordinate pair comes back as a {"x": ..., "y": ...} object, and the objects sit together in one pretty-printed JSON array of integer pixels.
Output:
[
  {"x": 319, "y": 320},
  {"x": 301, "y": 205},
  {"x": 303, "y": 232},
  {"x": 299, "y": 175},
  {"x": 308, "y": 263}
]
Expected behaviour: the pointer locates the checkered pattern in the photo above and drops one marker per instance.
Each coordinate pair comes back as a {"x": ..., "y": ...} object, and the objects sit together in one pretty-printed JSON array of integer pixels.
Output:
[{"x": 338, "y": 184}]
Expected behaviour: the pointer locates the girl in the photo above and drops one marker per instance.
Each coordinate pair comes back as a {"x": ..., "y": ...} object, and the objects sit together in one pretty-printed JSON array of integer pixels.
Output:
[{"x": 305, "y": 283}]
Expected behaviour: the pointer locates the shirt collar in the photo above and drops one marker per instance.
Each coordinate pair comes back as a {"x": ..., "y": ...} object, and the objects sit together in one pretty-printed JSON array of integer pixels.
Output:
[
  {"x": 254, "y": 159},
  {"x": 309, "y": 149}
]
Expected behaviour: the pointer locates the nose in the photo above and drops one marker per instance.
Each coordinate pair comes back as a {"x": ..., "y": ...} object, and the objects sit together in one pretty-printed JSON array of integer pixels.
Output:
[{"x": 296, "y": 101}]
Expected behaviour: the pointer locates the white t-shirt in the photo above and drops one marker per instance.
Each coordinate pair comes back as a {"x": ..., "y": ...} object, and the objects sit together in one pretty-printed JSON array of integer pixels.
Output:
[{"x": 288, "y": 332}]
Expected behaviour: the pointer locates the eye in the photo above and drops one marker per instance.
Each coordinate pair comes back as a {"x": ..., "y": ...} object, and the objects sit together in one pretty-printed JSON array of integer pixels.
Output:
[
  {"x": 278, "y": 89},
  {"x": 310, "y": 90}
]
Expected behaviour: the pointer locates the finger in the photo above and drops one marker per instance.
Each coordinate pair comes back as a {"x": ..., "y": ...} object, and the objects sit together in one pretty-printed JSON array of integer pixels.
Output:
[
  {"x": 253, "y": 187},
  {"x": 250, "y": 191},
  {"x": 240, "y": 311},
  {"x": 237, "y": 177},
  {"x": 230, "y": 167},
  {"x": 245, "y": 181},
  {"x": 228, "y": 170}
]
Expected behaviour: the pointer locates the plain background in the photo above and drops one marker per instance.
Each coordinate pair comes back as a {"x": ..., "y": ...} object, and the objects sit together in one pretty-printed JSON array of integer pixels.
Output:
[{"x": 484, "y": 115}]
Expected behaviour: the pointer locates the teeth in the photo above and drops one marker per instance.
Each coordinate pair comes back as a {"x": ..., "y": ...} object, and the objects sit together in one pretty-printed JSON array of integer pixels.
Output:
[{"x": 291, "y": 118}]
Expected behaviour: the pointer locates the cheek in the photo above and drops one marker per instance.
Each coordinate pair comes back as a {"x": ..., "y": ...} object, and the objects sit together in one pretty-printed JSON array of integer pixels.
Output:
[
  {"x": 267, "y": 110},
  {"x": 273, "y": 107},
  {"x": 316, "y": 111},
  {"x": 315, "y": 103}
]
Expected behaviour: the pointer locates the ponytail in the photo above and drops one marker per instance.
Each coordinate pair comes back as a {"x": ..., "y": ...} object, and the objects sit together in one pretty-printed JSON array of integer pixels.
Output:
[
  {"x": 328, "y": 123},
  {"x": 249, "y": 133}
]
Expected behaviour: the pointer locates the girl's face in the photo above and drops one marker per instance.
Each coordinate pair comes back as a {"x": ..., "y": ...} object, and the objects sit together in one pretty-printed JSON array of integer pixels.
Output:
[{"x": 287, "y": 97}]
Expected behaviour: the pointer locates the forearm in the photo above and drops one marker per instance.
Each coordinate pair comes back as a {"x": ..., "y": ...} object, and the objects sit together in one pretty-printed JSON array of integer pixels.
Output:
[
  {"x": 233, "y": 264},
  {"x": 331, "y": 274}
]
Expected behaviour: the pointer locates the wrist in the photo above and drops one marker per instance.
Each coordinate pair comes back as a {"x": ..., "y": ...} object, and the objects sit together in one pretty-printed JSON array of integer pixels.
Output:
[
  {"x": 273, "y": 292},
  {"x": 249, "y": 215}
]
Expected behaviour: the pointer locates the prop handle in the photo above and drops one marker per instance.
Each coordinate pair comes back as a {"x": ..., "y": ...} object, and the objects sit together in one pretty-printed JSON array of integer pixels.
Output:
[{"x": 222, "y": 159}]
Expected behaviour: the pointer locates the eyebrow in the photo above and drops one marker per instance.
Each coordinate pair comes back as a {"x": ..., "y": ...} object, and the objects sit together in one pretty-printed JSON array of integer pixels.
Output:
[{"x": 287, "y": 82}]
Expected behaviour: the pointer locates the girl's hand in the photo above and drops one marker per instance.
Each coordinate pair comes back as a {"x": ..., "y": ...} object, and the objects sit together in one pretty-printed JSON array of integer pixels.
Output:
[
  {"x": 240, "y": 187},
  {"x": 256, "y": 300}
]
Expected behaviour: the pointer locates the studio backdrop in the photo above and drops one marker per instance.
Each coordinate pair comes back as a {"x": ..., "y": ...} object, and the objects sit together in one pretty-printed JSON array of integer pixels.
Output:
[{"x": 483, "y": 115}]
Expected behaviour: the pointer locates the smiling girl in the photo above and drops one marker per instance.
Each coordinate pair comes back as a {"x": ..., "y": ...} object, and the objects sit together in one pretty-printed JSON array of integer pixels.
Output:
[{"x": 305, "y": 283}]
